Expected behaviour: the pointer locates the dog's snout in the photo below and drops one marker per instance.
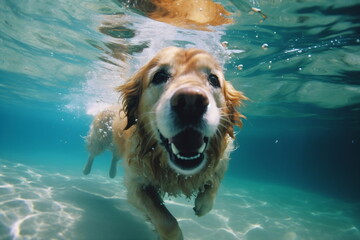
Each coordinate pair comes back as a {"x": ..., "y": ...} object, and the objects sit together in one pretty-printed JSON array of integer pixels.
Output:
[{"x": 190, "y": 101}]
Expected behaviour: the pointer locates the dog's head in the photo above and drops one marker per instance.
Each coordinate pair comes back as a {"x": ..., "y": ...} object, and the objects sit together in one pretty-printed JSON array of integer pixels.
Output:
[{"x": 181, "y": 100}]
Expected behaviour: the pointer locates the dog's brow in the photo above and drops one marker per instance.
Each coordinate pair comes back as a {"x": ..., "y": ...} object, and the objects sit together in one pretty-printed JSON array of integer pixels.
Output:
[
  {"x": 158, "y": 67},
  {"x": 203, "y": 61},
  {"x": 206, "y": 69},
  {"x": 202, "y": 68}
]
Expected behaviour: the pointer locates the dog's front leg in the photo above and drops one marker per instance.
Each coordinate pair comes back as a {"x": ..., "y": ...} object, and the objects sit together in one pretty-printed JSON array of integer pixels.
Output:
[
  {"x": 205, "y": 200},
  {"x": 147, "y": 200}
]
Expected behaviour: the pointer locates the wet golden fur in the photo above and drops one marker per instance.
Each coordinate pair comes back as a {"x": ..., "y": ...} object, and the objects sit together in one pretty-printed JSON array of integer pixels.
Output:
[{"x": 148, "y": 175}]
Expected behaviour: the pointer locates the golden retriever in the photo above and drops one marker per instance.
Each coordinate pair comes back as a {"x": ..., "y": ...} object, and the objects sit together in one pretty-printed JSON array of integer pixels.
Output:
[{"x": 174, "y": 129}]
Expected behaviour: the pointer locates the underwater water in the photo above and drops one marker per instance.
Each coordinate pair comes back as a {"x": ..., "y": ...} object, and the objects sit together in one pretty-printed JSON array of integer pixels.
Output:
[{"x": 295, "y": 174}]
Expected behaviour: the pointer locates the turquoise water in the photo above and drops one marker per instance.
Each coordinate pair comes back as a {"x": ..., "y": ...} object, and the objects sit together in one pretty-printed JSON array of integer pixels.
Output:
[{"x": 295, "y": 174}]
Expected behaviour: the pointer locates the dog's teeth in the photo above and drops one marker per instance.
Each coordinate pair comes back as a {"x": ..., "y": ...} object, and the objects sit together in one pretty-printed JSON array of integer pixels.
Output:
[
  {"x": 202, "y": 148},
  {"x": 174, "y": 149},
  {"x": 188, "y": 158}
]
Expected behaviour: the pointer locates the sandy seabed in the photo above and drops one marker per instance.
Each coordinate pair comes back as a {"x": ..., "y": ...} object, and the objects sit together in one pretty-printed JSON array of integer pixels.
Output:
[{"x": 37, "y": 204}]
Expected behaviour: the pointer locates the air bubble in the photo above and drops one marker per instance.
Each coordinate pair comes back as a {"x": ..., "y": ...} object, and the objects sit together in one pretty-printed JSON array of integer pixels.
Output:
[
  {"x": 225, "y": 44},
  {"x": 265, "y": 46},
  {"x": 240, "y": 67}
]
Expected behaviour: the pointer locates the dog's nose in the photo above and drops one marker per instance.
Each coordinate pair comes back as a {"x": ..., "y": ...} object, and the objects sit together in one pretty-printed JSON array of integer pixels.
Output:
[{"x": 190, "y": 102}]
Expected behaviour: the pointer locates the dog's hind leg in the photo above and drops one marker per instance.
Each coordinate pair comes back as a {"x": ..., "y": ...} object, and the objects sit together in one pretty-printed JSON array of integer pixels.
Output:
[
  {"x": 114, "y": 166},
  {"x": 87, "y": 168}
]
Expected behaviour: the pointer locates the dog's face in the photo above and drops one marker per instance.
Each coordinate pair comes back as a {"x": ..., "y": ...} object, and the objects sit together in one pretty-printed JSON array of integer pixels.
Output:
[{"x": 181, "y": 99}]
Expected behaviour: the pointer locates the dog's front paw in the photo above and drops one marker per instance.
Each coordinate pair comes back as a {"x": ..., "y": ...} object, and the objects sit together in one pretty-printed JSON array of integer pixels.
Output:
[{"x": 203, "y": 204}]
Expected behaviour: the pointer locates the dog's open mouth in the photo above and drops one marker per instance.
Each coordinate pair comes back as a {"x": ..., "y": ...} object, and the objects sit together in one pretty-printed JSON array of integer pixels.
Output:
[{"x": 186, "y": 150}]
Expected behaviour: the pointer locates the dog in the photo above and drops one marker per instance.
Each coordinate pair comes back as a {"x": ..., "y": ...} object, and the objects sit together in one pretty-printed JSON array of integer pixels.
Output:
[{"x": 174, "y": 130}]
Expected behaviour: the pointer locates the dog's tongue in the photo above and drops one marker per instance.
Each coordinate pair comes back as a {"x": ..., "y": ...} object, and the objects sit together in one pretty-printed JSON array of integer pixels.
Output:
[{"x": 188, "y": 141}]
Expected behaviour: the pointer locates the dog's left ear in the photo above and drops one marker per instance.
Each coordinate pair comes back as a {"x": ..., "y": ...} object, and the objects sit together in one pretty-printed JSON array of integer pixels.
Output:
[
  {"x": 234, "y": 99},
  {"x": 131, "y": 92}
]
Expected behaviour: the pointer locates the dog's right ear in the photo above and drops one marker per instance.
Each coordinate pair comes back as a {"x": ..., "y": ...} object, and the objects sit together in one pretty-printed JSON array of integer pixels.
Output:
[{"x": 131, "y": 92}]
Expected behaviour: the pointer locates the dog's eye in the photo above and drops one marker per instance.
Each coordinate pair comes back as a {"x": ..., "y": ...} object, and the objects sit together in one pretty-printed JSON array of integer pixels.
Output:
[
  {"x": 214, "y": 80},
  {"x": 160, "y": 77}
]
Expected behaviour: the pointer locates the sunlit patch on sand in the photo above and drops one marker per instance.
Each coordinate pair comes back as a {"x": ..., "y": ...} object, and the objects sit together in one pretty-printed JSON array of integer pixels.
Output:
[
  {"x": 35, "y": 204},
  {"x": 257, "y": 211},
  {"x": 29, "y": 208}
]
